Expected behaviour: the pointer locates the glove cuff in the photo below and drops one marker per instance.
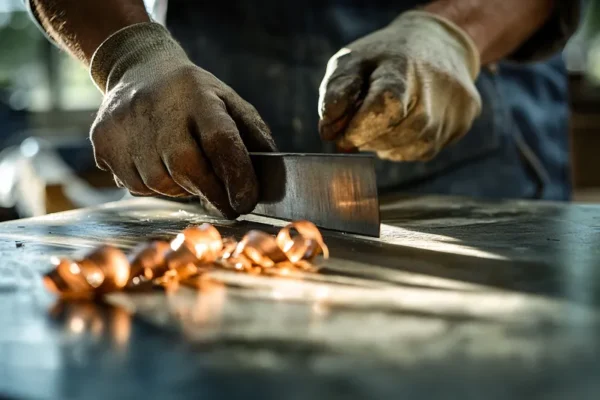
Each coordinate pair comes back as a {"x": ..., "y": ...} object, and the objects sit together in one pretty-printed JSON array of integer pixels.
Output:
[
  {"x": 131, "y": 46},
  {"x": 471, "y": 55}
]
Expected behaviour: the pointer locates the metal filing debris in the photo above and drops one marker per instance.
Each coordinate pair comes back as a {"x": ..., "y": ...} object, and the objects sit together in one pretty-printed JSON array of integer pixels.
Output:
[{"x": 189, "y": 255}]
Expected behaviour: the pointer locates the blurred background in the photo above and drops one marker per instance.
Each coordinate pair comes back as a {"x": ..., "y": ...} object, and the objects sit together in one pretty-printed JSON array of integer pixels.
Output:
[{"x": 47, "y": 103}]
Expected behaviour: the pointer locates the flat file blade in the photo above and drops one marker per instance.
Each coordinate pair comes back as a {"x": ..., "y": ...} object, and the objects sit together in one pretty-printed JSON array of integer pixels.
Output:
[{"x": 334, "y": 191}]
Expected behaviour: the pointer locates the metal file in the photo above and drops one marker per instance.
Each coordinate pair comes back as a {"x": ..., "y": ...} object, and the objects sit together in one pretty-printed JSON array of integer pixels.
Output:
[{"x": 334, "y": 191}]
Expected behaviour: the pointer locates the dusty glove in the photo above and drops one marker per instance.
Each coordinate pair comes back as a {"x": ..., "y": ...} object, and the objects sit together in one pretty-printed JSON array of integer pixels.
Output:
[
  {"x": 404, "y": 91},
  {"x": 171, "y": 128}
]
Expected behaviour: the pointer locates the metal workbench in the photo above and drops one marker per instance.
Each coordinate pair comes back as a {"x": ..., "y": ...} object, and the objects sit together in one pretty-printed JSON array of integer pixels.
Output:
[{"x": 457, "y": 299}]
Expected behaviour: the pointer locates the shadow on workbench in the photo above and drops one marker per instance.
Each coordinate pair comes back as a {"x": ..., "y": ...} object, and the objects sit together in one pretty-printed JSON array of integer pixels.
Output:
[
  {"x": 133, "y": 354},
  {"x": 365, "y": 348},
  {"x": 535, "y": 247},
  {"x": 543, "y": 248},
  {"x": 550, "y": 250}
]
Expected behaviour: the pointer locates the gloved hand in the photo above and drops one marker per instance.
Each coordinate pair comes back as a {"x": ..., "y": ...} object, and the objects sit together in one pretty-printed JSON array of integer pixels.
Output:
[
  {"x": 169, "y": 127},
  {"x": 404, "y": 91}
]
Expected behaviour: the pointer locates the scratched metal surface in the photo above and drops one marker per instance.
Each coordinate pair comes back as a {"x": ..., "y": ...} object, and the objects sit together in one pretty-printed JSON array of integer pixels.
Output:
[{"x": 457, "y": 298}]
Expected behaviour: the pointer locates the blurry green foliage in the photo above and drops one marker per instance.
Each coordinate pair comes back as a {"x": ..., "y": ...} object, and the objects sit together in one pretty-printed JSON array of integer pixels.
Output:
[
  {"x": 590, "y": 26},
  {"x": 20, "y": 42},
  {"x": 26, "y": 59},
  {"x": 588, "y": 38}
]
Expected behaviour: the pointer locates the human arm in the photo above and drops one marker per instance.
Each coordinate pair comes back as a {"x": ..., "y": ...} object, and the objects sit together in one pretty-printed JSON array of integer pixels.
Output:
[
  {"x": 165, "y": 126},
  {"x": 407, "y": 90},
  {"x": 503, "y": 28},
  {"x": 80, "y": 26}
]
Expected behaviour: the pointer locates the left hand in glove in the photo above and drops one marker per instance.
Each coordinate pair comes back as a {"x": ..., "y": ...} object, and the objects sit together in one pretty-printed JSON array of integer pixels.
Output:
[{"x": 403, "y": 92}]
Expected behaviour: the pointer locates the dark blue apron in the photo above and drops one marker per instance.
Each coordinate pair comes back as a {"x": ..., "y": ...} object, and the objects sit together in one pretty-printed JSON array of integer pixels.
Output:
[{"x": 273, "y": 53}]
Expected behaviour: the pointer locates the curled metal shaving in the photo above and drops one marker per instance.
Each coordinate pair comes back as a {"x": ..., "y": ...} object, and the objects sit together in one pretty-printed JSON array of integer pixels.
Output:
[
  {"x": 148, "y": 261},
  {"x": 190, "y": 254},
  {"x": 260, "y": 248},
  {"x": 306, "y": 245},
  {"x": 204, "y": 241},
  {"x": 104, "y": 270}
]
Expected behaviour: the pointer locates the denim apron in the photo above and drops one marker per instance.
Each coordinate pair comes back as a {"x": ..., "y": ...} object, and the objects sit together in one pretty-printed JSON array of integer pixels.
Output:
[{"x": 274, "y": 53}]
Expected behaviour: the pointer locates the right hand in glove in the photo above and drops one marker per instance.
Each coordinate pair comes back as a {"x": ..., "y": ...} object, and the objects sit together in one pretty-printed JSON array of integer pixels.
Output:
[{"x": 171, "y": 128}]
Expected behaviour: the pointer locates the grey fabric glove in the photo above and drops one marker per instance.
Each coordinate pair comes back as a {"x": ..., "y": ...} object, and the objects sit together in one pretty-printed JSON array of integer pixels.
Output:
[
  {"x": 403, "y": 92},
  {"x": 168, "y": 127}
]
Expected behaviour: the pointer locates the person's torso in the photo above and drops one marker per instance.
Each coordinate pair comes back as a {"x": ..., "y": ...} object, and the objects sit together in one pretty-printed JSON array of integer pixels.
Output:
[{"x": 274, "y": 54}]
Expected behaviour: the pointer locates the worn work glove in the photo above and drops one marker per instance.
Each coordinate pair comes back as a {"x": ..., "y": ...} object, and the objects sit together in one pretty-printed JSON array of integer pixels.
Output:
[
  {"x": 404, "y": 91},
  {"x": 171, "y": 128}
]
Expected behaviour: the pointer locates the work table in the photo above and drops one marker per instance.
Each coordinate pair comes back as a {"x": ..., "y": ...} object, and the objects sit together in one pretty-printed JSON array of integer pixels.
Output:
[{"x": 457, "y": 299}]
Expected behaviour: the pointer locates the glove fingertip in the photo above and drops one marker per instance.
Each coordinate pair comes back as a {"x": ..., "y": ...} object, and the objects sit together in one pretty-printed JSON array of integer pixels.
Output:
[
  {"x": 340, "y": 95},
  {"x": 244, "y": 201},
  {"x": 330, "y": 131},
  {"x": 218, "y": 209},
  {"x": 261, "y": 144}
]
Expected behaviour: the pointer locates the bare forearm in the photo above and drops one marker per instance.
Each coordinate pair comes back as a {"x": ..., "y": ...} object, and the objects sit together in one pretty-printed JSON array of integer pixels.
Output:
[
  {"x": 80, "y": 26},
  {"x": 498, "y": 27}
]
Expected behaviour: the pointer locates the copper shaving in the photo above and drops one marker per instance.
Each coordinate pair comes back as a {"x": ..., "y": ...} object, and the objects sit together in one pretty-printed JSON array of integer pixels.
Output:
[
  {"x": 104, "y": 270},
  {"x": 189, "y": 255}
]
